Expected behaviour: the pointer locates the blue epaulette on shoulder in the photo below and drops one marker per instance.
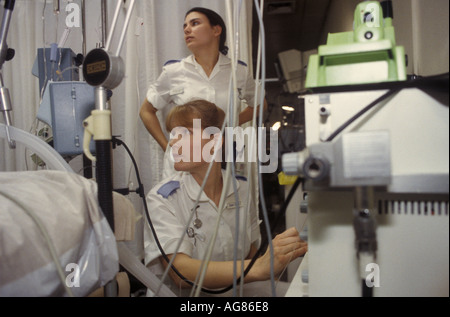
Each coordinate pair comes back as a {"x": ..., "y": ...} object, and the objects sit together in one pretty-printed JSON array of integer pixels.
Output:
[
  {"x": 242, "y": 63},
  {"x": 168, "y": 189},
  {"x": 172, "y": 61},
  {"x": 242, "y": 178}
]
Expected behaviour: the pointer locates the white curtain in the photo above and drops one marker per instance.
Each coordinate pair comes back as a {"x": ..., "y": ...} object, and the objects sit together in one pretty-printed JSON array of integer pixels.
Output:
[{"x": 154, "y": 36}]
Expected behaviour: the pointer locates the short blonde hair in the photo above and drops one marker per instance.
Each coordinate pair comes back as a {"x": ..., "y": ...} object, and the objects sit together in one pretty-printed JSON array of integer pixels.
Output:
[{"x": 184, "y": 115}]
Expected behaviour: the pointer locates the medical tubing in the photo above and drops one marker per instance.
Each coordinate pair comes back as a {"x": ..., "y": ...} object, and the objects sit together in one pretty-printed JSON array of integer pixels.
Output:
[
  {"x": 202, "y": 270},
  {"x": 124, "y": 29},
  {"x": 361, "y": 112},
  {"x": 44, "y": 55},
  {"x": 282, "y": 211},
  {"x": 48, "y": 154},
  {"x": 188, "y": 222},
  {"x": 236, "y": 238},
  {"x": 234, "y": 111},
  {"x": 261, "y": 189},
  {"x": 251, "y": 144},
  {"x": 233, "y": 58},
  {"x": 130, "y": 262},
  {"x": 47, "y": 239},
  {"x": 236, "y": 195},
  {"x": 113, "y": 25},
  {"x": 104, "y": 179},
  {"x": 170, "y": 265},
  {"x": 212, "y": 241},
  {"x": 247, "y": 208},
  {"x": 231, "y": 100},
  {"x": 233, "y": 114},
  {"x": 170, "y": 262},
  {"x": 234, "y": 47}
]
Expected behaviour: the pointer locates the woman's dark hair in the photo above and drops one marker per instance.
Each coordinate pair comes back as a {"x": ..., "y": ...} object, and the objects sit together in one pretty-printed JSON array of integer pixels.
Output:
[{"x": 214, "y": 20}]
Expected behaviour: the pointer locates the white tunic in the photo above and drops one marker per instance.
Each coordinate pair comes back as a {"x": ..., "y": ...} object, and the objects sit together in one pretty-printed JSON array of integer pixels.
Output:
[
  {"x": 170, "y": 204},
  {"x": 185, "y": 80}
]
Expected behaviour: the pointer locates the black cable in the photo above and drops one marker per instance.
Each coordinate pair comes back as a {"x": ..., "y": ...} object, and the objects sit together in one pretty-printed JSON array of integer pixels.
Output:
[
  {"x": 361, "y": 112},
  {"x": 288, "y": 199},
  {"x": 282, "y": 212},
  {"x": 104, "y": 179},
  {"x": 140, "y": 191},
  {"x": 366, "y": 290}
]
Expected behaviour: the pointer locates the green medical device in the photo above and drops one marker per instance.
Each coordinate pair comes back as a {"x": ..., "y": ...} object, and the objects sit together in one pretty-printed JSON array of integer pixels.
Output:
[{"x": 368, "y": 54}]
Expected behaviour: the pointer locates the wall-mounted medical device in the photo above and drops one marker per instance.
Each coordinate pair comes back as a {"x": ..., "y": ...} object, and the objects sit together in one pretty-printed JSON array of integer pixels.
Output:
[
  {"x": 64, "y": 106},
  {"x": 368, "y": 54},
  {"x": 55, "y": 64}
]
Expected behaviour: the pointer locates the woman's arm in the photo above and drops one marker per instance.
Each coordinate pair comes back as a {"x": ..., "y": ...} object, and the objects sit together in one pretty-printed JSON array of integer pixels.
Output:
[
  {"x": 287, "y": 247},
  {"x": 151, "y": 123},
  {"x": 219, "y": 274},
  {"x": 247, "y": 114}
]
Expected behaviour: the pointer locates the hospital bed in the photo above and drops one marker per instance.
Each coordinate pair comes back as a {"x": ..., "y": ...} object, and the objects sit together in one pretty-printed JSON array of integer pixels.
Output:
[{"x": 55, "y": 241}]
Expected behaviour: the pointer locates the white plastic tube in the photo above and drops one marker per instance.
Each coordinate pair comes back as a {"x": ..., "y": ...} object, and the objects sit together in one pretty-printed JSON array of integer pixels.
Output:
[
  {"x": 130, "y": 262},
  {"x": 48, "y": 154}
]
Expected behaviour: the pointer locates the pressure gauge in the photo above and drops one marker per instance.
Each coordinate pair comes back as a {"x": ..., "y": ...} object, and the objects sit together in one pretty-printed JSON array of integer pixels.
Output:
[{"x": 100, "y": 68}]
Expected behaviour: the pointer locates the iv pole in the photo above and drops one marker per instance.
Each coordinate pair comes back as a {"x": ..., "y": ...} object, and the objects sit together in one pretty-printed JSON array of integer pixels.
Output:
[
  {"x": 8, "y": 131},
  {"x": 104, "y": 71},
  {"x": 6, "y": 54}
]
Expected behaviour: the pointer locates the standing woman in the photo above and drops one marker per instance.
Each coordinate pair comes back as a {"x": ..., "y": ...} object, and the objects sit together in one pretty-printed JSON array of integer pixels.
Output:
[{"x": 203, "y": 75}]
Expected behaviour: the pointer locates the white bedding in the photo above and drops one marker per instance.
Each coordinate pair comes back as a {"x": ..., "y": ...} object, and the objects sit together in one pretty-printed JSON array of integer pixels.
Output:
[{"x": 67, "y": 206}]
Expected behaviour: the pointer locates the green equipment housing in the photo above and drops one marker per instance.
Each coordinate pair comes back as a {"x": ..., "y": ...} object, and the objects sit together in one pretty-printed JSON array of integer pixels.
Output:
[{"x": 368, "y": 54}]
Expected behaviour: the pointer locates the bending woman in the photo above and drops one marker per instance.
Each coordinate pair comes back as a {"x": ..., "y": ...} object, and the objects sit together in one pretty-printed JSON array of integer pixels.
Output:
[{"x": 170, "y": 204}]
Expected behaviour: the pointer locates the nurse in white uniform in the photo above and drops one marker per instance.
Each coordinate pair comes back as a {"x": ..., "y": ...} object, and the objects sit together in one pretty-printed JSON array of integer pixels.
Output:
[
  {"x": 171, "y": 203},
  {"x": 203, "y": 75}
]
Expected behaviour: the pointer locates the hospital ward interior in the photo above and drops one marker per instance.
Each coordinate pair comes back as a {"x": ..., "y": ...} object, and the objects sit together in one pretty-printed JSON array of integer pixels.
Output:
[{"x": 224, "y": 148}]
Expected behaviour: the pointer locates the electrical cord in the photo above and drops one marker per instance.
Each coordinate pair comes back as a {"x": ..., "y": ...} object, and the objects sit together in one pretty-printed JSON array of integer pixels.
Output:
[
  {"x": 140, "y": 191},
  {"x": 361, "y": 112}
]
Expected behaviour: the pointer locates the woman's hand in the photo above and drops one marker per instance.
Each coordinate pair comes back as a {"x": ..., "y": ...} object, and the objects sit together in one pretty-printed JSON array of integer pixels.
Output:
[{"x": 287, "y": 246}]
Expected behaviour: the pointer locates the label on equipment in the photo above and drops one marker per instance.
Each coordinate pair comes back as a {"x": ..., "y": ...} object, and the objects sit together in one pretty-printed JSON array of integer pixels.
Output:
[{"x": 96, "y": 67}]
